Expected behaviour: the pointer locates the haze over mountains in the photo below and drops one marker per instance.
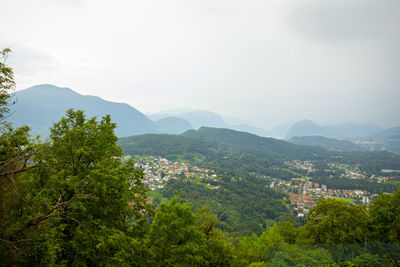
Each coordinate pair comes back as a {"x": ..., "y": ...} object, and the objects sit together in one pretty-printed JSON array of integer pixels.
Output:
[
  {"x": 41, "y": 105},
  {"x": 345, "y": 130},
  {"x": 325, "y": 142},
  {"x": 200, "y": 118}
]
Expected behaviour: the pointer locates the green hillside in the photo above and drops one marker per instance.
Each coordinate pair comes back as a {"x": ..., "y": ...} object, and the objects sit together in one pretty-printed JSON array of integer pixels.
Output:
[{"x": 325, "y": 142}]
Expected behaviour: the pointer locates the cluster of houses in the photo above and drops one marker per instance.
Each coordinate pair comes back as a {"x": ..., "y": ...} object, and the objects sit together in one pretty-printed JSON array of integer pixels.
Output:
[
  {"x": 158, "y": 170},
  {"x": 301, "y": 165},
  {"x": 304, "y": 194}
]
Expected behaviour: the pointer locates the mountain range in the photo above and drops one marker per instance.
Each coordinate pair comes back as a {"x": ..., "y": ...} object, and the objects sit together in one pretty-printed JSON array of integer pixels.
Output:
[
  {"x": 205, "y": 118},
  {"x": 41, "y": 105},
  {"x": 345, "y": 130},
  {"x": 325, "y": 142},
  {"x": 226, "y": 149}
]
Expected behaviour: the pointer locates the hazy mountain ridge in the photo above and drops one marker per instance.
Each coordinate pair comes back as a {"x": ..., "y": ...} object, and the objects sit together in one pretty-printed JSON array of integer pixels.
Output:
[
  {"x": 205, "y": 118},
  {"x": 197, "y": 118},
  {"x": 248, "y": 141},
  {"x": 41, "y": 105},
  {"x": 325, "y": 142},
  {"x": 344, "y": 130},
  {"x": 173, "y": 125},
  {"x": 363, "y": 136},
  {"x": 391, "y": 132},
  {"x": 226, "y": 149}
]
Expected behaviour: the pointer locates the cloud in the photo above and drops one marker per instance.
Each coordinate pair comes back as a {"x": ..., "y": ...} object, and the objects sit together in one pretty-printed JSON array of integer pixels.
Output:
[
  {"x": 71, "y": 3},
  {"x": 332, "y": 20},
  {"x": 268, "y": 61},
  {"x": 28, "y": 61}
]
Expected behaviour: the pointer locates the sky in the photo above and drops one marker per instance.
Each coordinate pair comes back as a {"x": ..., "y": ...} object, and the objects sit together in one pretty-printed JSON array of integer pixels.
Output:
[{"x": 266, "y": 61}]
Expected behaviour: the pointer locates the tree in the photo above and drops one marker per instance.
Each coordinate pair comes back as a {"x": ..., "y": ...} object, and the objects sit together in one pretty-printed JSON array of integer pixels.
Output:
[
  {"x": 84, "y": 204},
  {"x": 293, "y": 255},
  {"x": 258, "y": 250},
  {"x": 385, "y": 218},
  {"x": 175, "y": 237},
  {"x": 335, "y": 222},
  {"x": 337, "y": 226},
  {"x": 219, "y": 247},
  {"x": 288, "y": 231},
  {"x": 17, "y": 152},
  {"x": 7, "y": 83}
]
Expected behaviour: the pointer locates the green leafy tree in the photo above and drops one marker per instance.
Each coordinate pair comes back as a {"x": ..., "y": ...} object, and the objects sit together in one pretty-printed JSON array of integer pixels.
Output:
[
  {"x": 7, "y": 83},
  {"x": 335, "y": 222},
  {"x": 292, "y": 255},
  {"x": 17, "y": 152},
  {"x": 338, "y": 227},
  {"x": 219, "y": 245},
  {"x": 385, "y": 218},
  {"x": 258, "y": 250},
  {"x": 288, "y": 231},
  {"x": 176, "y": 238},
  {"x": 83, "y": 204}
]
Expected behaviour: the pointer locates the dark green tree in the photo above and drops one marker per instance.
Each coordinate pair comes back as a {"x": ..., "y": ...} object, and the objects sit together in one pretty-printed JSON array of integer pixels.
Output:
[
  {"x": 340, "y": 228},
  {"x": 219, "y": 246},
  {"x": 335, "y": 222},
  {"x": 84, "y": 204},
  {"x": 385, "y": 218},
  {"x": 176, "y": 238},
  {"x": 292, "y": 255},
  {"x": 7, "y": 83}
]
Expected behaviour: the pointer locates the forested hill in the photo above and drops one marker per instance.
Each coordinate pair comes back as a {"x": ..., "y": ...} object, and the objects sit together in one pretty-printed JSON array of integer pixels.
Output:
[
  {"x": 243, "y": 203},
  {"x": 226, "y": 149},
  {"x": 325, "y": 142},
  {"x": 222, "y": 149},
  {"x": 167, "y": 145},
  {"x": 255, "y": 143}
]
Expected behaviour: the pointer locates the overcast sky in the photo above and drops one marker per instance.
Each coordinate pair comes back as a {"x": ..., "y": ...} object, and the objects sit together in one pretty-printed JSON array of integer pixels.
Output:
[{"x": 267, "y": 61}]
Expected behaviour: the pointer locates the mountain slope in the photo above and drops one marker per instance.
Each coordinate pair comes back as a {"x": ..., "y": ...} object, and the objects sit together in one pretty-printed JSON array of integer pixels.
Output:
[
  {"x": 204, "y": 118},
  {"x": 173, "y": 125},
  {"x": 391, "y": 132},
  {"x": 226, "y": 150},
  {"x": 344, "y": 130},
  {"x": 41, "y": 105},
  {"x": 325, "y": 142},
  {"x": 196, "y": 118},
  {"x": 304, "y": 128},
  {"x": 250, "y": 129},
  {"x": 251, "y": 142}
]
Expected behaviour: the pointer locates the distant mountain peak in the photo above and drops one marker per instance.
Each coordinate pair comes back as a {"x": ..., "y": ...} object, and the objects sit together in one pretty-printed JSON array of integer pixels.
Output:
[
  {"x": 41, "y": 105},
  {"x": 49, "y": 87}
]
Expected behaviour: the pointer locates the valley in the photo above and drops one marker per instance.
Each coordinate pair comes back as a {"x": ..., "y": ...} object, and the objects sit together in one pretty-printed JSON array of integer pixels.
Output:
[{"x": 207, "y": 165}]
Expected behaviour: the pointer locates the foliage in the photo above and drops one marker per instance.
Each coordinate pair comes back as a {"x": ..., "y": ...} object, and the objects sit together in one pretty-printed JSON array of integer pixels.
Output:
[
  {"x": 175, "y": 237},
  {"x": 293, "y": 255},
  {"x": 334, "y": 222},
  {"x": 89, "y": 202},
  {"x": 7, "y": 83},
  {"x": 385, "y": 218},
  {"x": 242, "y": 204},
  {"x": 229, "y": 152}
]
